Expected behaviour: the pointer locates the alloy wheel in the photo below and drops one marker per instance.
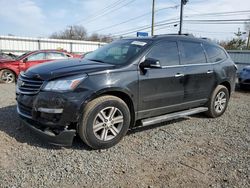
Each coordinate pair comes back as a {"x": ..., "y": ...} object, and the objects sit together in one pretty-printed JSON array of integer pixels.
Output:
[
  {"x": 8, "y": 77},
  {"x": 220, "y": 102},
  {"x": 108, "y": 123}
]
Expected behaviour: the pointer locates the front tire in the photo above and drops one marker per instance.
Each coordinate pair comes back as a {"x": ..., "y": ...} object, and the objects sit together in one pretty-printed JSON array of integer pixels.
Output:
[
  {"x": 7, "y": 76},
  {"x": 104, "y": 123},
  {"x": 218, "y": 102}
]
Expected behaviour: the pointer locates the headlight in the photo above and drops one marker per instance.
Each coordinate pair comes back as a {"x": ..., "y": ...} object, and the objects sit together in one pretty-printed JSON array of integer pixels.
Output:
[{"x": 66, "y": 84}]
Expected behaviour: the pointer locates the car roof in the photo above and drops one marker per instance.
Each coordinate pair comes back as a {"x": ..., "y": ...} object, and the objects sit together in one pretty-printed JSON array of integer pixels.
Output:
[
  {"x": 187, "y": 37},
  {"x": 49, "y": 51}
]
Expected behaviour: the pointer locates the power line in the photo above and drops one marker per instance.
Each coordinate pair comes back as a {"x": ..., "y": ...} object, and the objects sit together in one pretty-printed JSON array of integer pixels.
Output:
[
  {"x": 163, "y": 23},
  {"x": 101, "y": 10},
  {"x": 144, "y": 27},
  {"x": 192, "y": 15},
  {"x": 134, "y": 18},
  {"x": 112, "y": 9}
]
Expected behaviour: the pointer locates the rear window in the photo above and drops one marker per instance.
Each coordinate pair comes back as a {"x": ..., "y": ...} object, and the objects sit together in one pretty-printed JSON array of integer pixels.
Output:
[
  {"x": 192, "y": 53},
  {"x": 214, "y": 53},
  {"x": 55, "y": 55}
]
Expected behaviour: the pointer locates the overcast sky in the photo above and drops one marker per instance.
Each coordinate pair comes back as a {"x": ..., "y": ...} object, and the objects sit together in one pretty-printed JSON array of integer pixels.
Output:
[{"x": 40, "y": 18}]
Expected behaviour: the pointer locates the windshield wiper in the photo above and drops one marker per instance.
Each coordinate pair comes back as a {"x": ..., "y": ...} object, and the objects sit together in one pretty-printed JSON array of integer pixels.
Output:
[{"x": 97, "y": 60}]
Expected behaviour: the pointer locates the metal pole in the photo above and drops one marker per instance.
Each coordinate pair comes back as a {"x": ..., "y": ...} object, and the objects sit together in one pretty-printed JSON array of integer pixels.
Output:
[
  {"x": 181, "y": 17},
  {"x": 153, "y": 18},
  {"x": 248, "y": 40}
]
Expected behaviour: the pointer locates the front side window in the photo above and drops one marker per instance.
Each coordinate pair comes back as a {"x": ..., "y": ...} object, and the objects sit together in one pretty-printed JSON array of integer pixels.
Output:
[
  {"x": 214, "y": 53},
  {"x": 118, "y": 52},
  {"x": 55, "y": 55},
  {"x": 166, "y": 52},
  {"x": 38, "y": 56},
  {"x": 192, "y": 53}
]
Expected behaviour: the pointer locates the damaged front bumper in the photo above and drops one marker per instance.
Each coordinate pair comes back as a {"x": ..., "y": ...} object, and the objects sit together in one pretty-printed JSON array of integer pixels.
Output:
[
  {"x": 51, "y": 116},
  {"x": 61, "y": 138}
]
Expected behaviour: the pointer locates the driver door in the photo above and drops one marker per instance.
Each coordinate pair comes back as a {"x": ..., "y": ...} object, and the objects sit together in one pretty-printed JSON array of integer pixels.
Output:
[
  {"x": 34, "y": 59},
  {"x": 161, "y": 89}
]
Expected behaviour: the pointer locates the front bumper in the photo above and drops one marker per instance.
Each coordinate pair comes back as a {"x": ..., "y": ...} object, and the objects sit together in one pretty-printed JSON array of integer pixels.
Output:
[
  {"x": 51, "y": 116},
  {"x": 64, "y": 138}
]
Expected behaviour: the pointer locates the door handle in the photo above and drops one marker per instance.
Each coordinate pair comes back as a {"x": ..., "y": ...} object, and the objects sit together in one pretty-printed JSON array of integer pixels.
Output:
[
  {"x": 210, "y": 72},
  {"x": 179, "y": 75}
]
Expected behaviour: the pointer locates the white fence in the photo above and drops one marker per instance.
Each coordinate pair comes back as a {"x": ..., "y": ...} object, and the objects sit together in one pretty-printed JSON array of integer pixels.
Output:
[{"x": 19, "y": 45}]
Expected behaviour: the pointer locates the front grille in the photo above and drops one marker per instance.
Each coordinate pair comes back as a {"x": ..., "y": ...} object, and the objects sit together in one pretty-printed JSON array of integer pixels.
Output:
[
  {"x": 27, "y": 111},
  {"x": 29, "y": 86}
]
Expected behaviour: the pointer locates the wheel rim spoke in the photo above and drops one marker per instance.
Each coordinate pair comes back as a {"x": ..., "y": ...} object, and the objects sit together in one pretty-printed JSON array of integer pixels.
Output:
[
  {"x": 98, "y": 127},
  {"x": 223, "y": 101},
  {"x": 112, "y": 112},
  {"x": 114, "y": 130},
  {"x": 104, "y": 134},
  {"x": 118, "y": 119}
]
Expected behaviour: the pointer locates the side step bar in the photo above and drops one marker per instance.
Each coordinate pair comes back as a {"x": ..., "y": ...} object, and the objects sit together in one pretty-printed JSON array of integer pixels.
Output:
[{"x": 175, "y": 115}]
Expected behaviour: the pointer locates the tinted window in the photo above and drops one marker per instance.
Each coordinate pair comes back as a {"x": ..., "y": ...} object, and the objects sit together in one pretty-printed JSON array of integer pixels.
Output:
[
  {"x": 192, "y": 53},
  {"x": 56, "y": 55},
  {"x": 214, "y": 53},
  {"x": 35, "y": 57},
  {"x": 166, "y": 53}
]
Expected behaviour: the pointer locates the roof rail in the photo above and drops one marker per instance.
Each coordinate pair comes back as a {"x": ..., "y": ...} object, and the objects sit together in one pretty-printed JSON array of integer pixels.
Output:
[{"x": 183, "y": 34}]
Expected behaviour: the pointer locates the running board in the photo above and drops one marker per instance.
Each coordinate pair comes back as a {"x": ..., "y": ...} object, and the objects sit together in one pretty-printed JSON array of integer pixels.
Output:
[{"x": 175, "y": 115}]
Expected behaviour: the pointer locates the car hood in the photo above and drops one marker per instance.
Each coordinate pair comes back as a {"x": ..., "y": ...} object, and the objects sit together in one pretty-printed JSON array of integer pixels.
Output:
[
  {"x": 56, "y": 69},
  {"x": 7, "y": 61}
]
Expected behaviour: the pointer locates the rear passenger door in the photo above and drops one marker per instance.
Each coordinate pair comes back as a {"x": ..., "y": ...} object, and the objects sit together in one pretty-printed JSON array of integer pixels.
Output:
[{"x": 199, "y": 75}]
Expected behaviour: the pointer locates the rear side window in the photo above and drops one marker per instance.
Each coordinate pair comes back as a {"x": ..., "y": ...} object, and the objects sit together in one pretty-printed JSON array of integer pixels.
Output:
[
  {"x": 214, "y": 53},
  {"x": 55, "y": 55},
  {"x": 36, "y": 57},
  {"x": 166, "y": 52},
  {"x": 192, "y": 53}
]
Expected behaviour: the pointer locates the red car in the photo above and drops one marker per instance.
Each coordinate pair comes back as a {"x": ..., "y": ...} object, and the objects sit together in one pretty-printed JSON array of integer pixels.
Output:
[{"x": 10, "y": 69}]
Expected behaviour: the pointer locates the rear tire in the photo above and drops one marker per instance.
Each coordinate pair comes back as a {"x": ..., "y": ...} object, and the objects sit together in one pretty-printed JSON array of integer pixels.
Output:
[
  {"x": 218, "y": 102},
  {"x": 7, "y": 76},
  {"x": 105, "y": 121}
]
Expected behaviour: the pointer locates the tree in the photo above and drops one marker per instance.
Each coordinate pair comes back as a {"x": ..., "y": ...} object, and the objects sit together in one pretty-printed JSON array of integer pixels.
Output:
[
  {"x": 236, "y": 43},
  {"x": 94, "y": 37},
  {"x": 74, "y": 32}
]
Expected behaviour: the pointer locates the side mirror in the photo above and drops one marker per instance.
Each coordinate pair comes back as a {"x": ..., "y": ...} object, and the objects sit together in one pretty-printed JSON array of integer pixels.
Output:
[
  {"x": 25, "y": 60},
  {"x": 150, "y": 63}
]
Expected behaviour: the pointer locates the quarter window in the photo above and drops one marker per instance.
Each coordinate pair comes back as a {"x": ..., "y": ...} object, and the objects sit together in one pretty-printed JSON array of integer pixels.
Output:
[
  {"x": 166, "y": 52},
  {"x": 192, "y": 53},
  {"x": 214, "y": 53}
]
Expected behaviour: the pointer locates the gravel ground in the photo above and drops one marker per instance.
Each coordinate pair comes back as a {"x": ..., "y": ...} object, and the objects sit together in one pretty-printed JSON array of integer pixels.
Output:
[{"x": 193, "y": 152}]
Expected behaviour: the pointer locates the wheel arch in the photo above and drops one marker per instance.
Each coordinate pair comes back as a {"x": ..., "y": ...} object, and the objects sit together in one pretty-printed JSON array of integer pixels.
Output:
[
  {"x": 227, "y": 85},
  {"x": 120, "y": 93}
]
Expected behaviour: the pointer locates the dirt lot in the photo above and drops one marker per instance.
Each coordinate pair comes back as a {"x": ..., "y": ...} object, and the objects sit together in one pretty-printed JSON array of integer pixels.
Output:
[{"x": 195, "y": 152}]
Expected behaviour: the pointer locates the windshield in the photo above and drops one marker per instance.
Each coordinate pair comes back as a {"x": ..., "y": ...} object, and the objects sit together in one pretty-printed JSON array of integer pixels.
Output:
[{"x": 118, "y": 52}]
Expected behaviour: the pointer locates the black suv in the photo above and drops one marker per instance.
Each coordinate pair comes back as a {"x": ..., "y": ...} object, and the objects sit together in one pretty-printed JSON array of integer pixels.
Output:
[{"x": 144, "y": 80}]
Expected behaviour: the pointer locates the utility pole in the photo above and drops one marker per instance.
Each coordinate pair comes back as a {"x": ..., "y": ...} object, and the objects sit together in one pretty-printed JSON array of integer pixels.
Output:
[
  {"x": 183, "y": 2},
  {"x": 248, "y": 47},
  {"x": 153, "y": 18}
]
